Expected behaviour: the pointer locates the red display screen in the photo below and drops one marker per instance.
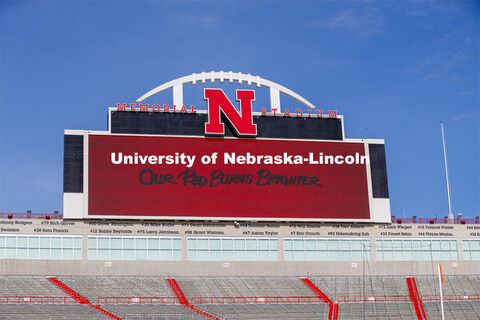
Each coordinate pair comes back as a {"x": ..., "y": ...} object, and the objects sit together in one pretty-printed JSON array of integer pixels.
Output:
[{"x": 201, "y": 178}]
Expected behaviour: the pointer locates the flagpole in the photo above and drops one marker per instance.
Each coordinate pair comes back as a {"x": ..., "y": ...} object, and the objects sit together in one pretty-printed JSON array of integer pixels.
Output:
[
  {"x": 446, "y": 173},
  {"x": 440, "y": 280}
]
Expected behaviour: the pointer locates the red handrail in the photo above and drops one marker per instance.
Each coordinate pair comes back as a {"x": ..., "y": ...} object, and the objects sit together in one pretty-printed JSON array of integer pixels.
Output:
[
  {"x": 419, "y": 299},
  {"x": 413, "y": 296},
  {"x": 80, "y": 299},
  {"x": 335, "y": 311},
  {"x": 183, "y": 300},
  {"x": 321, "y": 295},
  {"x": 178, "y": 292}
]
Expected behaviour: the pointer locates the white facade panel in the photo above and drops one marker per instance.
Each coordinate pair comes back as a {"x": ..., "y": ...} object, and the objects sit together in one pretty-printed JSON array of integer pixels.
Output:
[
  {"x": 73, "y": 205},
  {"x": 380, "y": 211}
]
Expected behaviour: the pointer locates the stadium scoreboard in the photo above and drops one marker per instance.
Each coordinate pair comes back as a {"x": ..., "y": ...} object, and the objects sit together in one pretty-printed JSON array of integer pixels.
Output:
[{"x": 166, "y": 162}]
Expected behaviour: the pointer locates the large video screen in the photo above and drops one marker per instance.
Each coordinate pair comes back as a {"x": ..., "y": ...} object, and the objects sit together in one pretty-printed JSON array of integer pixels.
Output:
[{"x": 204, "y": 178}]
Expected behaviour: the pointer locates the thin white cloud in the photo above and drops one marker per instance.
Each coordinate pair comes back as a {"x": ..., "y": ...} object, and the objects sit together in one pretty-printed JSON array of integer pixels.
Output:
[
  {"x": 452, "y": 47},
  {"x": 364, "y": 23},
  {"x": 461, "y": 116},
  {"x": 202, "y": 21},
  {"x": 468, "y": 92},
  {"x": 440, "y": 66}
]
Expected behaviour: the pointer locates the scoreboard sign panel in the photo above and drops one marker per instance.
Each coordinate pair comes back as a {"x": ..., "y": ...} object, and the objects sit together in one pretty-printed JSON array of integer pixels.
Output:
[
  {"x": 223, "y": 161},
  {"x": 207, "y": 178}
]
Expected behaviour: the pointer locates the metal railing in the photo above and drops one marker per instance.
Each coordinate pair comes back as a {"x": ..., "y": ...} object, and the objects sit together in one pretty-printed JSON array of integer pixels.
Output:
[
  {"x": 452, "y": 297},
  {"x": 449, "y": 297},
  {"x": 345, "y": 299},
  {"x": 396, "y": 220},
  {"x": 138, "y": 300},
  {"x": 35, "y": 299},
  {"x": 28, "y": 215},
  {"x": 254, "y": 300},
  {"x": 208, "y": 300}
]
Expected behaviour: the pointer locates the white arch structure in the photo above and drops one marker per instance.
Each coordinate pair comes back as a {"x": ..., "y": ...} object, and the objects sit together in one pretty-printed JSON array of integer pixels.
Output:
[{"x": 275, "y": 89}]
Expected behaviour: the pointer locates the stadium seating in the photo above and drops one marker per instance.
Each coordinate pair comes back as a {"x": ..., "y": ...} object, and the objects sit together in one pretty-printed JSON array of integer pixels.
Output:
[
  {"x": 399, "y": 310},
  {"x": 152, "y": 311},
  {"x": 242, "y": 287},
  {"x": 93, "y": 287},
  {"x": 459, "y": 310},
  {"x": 131, "y": 297},
  {"x": 361, "y": 286},
  {"x": 453, "y": 285},
  {"x": 269, "y": 311},
  {"x": 29, "y": 286},
  {"x": 48, "y": 311}
]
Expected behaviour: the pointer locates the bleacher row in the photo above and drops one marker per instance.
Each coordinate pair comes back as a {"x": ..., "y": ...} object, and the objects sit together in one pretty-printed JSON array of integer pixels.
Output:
[{"x": 24, "y": 292}]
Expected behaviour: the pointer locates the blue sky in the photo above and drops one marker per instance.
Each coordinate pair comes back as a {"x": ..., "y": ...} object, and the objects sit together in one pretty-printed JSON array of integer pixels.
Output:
[{"x": 394, "y": 69}]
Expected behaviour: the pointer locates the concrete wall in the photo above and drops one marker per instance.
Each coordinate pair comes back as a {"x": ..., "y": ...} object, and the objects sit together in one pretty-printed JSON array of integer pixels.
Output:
[{"x": 186, "y": 229}]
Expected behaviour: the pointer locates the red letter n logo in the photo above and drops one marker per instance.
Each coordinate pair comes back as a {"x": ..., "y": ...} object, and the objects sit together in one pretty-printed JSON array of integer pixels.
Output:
[{"x": 241, "y": 121}]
